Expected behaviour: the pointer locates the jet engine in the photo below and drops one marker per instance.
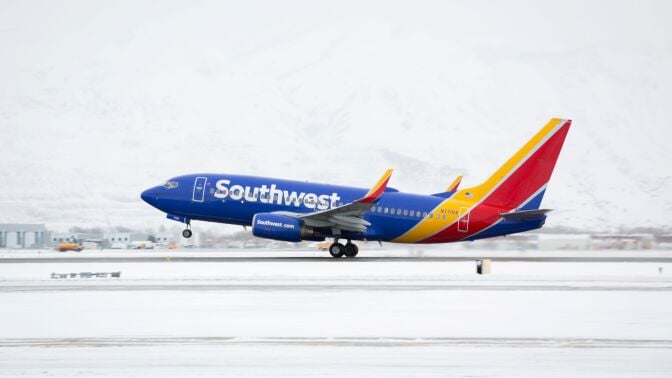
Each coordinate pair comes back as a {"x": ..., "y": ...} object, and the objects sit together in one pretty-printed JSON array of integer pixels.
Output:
[{"x": 282, "y": 227}]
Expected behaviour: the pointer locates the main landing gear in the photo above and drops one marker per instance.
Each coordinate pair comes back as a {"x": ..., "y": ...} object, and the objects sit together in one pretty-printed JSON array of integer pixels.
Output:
[
  {"x": 186, "y": 233},
  {"x": 338, "y": 250}
]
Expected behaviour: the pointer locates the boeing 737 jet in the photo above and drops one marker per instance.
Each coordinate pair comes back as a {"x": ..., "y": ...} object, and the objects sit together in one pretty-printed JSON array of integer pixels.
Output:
[{"x": 507, "y": 202}]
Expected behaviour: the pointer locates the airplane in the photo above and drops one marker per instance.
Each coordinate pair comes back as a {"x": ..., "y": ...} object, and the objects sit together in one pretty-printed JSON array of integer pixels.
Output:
[{"x": 507, "y": 202}]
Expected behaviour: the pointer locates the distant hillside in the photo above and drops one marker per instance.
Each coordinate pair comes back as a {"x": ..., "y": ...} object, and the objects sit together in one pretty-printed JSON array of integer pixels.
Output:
[{"x": 102, "y": 101}]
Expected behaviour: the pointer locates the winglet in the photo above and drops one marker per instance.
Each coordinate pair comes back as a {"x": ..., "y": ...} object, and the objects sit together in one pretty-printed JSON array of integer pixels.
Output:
[
  {"x": 377, "y": 189},
  {"x": 455, "y": 184}
]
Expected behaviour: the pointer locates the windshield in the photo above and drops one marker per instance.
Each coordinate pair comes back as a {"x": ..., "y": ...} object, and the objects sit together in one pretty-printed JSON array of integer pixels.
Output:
[{"x": 171, "y": 184}]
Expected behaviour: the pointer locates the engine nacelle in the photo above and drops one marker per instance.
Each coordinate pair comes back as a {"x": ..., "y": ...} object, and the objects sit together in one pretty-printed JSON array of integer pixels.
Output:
[{"x": 282, "y": 227}]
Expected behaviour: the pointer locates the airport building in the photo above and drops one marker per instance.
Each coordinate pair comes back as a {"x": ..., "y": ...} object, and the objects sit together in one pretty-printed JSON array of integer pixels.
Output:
[
  {"x": 164, "y": 237},
  {"x": 124, "y": 237},
  {"x": 23, "y": 235},
  {"x": 71, "y": 237}
]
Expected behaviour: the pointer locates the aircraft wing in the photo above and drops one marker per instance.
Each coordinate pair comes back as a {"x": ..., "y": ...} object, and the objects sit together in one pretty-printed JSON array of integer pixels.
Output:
[{"x": 347, "y": 217}]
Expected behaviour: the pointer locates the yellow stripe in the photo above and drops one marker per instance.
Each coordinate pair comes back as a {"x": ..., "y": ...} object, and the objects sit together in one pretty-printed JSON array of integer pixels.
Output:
[
  {"x": 471, "y": 196},
  {"x": 455, "y": 182},
  {"x": 380, "y": 182}
]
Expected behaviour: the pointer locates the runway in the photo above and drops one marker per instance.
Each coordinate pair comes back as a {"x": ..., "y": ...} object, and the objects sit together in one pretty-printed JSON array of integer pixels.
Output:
[
  {"x": 428, "y": 254},
  {"x": 337, "y": 342},
  {"x": 332, "y": 287},
  {"x": 330, "y": 260},
  {"x": 254, "y": 360},
  {"x": 317, "y": 317}
]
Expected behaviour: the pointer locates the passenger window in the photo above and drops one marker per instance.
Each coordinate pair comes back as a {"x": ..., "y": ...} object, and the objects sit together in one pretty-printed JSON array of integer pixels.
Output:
[
  {"x": 373, "y": 209},
  {"x": 405, "y": 212},
  {"x": 431, "y": 215},
  {"x": 412, "y": 213},
  {"x": 444, "y": 216},
  {"x": 386, "y": 209}
]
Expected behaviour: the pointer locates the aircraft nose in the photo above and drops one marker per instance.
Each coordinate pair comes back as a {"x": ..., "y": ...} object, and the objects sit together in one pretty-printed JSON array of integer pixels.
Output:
[{"x": 150, "y": 196}]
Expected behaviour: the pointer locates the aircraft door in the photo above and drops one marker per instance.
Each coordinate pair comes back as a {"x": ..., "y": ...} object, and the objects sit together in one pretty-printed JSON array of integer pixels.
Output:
[
  {"x": 199, "y": 189},
  {"x": 463, "y": 223}
]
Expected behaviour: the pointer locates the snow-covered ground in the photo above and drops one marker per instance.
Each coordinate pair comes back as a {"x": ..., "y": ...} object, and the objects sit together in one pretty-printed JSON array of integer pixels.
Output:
[
  {"x": 367, "y": 251},
  {"x": 333, "y": 318},
  {"x": 316, "y": 360}
]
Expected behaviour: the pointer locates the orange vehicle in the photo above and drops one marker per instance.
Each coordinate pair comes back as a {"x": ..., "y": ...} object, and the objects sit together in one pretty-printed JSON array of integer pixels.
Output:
[{"x": 67, "y": 246}]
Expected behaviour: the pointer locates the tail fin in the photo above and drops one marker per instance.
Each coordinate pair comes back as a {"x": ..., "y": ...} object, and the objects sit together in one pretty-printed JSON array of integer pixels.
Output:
[{"x": 521, "y": 182}]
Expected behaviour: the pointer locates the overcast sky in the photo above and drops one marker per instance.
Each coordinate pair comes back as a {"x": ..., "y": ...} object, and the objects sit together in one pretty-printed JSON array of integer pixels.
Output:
[{"x": 100, "y": 100}]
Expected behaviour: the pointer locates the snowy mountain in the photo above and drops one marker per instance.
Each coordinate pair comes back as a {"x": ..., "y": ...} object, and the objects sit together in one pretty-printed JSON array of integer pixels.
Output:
[{"x": 101, "y": 100}]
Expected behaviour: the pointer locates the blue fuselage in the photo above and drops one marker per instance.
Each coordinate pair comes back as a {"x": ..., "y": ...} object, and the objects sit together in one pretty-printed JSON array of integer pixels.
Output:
[{"x": 235, "y": 199}]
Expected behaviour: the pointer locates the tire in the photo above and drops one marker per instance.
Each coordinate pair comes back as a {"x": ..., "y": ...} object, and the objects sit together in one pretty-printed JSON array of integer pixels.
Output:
[
  {"x": 186, "y": 233},
  {"x": 337, "y": 250},
  {"x": 351, "y": 250}
]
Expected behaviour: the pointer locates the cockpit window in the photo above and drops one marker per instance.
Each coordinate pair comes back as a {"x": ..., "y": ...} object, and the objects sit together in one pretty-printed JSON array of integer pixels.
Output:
[{"x": 171, "y": 184}]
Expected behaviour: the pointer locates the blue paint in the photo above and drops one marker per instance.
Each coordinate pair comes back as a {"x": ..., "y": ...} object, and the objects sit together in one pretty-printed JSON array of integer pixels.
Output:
[{"x": 238, "y": 198}]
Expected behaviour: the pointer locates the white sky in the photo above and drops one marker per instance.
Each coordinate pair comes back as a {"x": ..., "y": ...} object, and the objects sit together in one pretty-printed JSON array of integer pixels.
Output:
[{"x": 100, "y": 100}]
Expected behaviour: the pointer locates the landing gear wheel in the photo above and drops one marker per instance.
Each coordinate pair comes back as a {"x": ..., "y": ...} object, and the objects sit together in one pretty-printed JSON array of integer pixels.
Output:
[
  {"x": 351, "y": 250},
  {"x": 337, "y": 250},
  {"x": 186, "y": 233}
]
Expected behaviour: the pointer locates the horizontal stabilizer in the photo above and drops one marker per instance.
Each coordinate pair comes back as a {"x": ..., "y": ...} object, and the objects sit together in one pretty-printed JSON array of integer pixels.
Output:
[
  {"x": 525, "y": 215},
  {"x": 443, "y": 194}
]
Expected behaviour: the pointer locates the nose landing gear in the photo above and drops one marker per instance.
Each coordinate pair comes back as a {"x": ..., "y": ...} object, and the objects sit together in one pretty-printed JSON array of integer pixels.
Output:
[
  {"x": 338, "y": 250},
  {"x": 186, "y": 233}
]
